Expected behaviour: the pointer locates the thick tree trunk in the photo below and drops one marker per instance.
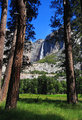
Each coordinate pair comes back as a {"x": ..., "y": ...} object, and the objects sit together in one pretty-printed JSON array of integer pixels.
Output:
[
  {"x": 17, "y": 62},
  {"x": 2, "y": 35},
  {"x": 71, "y": 88},
  {"x": 8, "y": 69}
]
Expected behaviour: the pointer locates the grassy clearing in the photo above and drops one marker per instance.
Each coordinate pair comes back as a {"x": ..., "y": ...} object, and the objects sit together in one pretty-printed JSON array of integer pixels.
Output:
[{"x": 43, "y": 107}]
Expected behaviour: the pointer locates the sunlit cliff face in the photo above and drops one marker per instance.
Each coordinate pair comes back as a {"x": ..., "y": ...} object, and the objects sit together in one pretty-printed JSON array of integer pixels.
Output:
[{"x": 42, "y": 47}]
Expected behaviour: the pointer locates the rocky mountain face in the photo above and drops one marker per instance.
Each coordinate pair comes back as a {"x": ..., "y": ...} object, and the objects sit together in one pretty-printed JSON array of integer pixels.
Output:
[
  {"x": 46, "y": 56},
  {"x": 48, "y": 53},
  {"x": 49, "y": 65},
  {"x": 37, "y": 69},
  {"x": 42, "y": 47},
  {"x": 36, "y": 50}
]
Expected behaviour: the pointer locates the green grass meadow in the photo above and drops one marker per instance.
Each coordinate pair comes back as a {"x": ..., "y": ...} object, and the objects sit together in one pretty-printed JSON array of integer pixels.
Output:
[{"x": 42, "y": 107}]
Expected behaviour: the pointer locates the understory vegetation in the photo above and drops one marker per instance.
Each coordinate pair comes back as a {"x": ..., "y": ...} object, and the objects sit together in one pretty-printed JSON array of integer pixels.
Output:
[{"x": 42, "y": 107}]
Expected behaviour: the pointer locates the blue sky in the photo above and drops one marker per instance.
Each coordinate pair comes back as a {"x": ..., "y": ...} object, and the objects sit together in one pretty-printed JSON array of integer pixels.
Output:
[
  {"x": 41, "y": 23},
  {"x": 8, "y": 14}
]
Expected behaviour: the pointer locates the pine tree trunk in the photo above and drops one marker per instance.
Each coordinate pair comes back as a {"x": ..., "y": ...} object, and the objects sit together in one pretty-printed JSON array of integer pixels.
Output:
[
  {"x": 8, "y": 69},
  {"x": 17, "y": 61},
  {"x": 2, "y": 35},
  {"x": 71, "y": 88}
]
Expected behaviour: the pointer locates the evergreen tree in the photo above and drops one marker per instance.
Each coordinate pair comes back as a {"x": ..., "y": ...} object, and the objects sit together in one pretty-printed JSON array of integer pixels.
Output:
[
  {"x": 77, "y": 21},
  {"x": 17, "y": 61},
  {"x": 4, "y": 4},
  {"x": 10, "y": 42},
  {"x": 71, "y": 88},
  {"x": 57, "y": 21},
  {"x": 77, "y": 24}
]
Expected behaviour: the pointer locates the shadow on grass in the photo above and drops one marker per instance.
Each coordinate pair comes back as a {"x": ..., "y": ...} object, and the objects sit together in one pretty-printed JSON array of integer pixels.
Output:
[
  {"x": 57, "y": 103},
  {"x": 26, "y": 115},
  {"x": 20, "y": 114}
]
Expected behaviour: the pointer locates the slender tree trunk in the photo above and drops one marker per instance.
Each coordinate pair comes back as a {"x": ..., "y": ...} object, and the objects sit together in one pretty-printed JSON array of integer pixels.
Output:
[
  {"x": 2, "y": 35},
  {"x": 8, "y": 69},
  {"x": 71, "y": 88},
  {"x": 17, "y": 62}
]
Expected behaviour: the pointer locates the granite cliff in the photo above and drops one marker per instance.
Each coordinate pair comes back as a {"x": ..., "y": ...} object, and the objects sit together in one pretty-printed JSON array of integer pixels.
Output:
[{"x": 42, "y": 47}]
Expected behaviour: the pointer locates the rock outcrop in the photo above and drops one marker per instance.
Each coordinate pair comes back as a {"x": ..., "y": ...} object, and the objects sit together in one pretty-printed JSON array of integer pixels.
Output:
[
  {"x": 48, "y": 68},
  {"x": 51, "y": 44}
]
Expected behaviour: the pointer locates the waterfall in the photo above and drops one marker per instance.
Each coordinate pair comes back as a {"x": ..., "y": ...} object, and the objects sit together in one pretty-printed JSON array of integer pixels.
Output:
[{"x": 42, "y": 51}]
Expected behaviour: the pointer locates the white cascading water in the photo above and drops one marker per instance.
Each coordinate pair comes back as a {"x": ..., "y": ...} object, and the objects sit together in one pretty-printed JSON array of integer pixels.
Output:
[{"x": 42, "y": 51}]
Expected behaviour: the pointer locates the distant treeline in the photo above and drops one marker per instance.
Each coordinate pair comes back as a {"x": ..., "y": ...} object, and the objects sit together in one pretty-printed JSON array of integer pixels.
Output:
[{"x": 46, "y": 85}]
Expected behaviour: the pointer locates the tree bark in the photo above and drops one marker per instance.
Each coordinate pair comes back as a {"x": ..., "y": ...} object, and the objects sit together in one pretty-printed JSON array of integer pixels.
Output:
[
  {"x": 8, "y": 69},
  {"x": 2, "y": 35},
  {"x": 71, "y": 88},
  {"x": 17, "y": 61}
]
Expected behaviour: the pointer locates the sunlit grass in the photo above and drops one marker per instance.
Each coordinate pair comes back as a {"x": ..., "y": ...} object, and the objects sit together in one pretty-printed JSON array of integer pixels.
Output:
[{"x": 43, "y": 107}]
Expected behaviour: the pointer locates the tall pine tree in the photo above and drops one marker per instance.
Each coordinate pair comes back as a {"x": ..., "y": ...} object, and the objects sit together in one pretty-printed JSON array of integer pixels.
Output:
[
  {"x": 71, "y": 88},
  {"x": 4, "y": 4},
  {"x": 17, "y": 61},
  {"x": 62, "y": 9}
]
